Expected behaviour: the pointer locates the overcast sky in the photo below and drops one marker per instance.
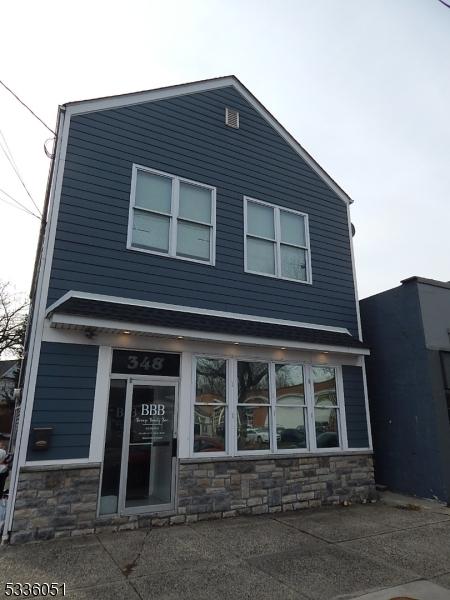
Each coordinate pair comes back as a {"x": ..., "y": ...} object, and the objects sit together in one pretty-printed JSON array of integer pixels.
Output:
[{"x": 363, "y": 85}]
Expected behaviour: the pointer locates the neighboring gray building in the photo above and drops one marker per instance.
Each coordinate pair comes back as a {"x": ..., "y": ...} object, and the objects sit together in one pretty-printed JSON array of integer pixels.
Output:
[
  {"x": 408, "y": 374},
  {"x": 195, "y": 344}
]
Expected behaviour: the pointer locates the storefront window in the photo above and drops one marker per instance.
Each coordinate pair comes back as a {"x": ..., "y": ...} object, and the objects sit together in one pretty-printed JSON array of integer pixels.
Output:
[
  {"x": 272, "y": 407},
  {"x": 290, "y": 410},
  {"x": 325, "y": 407},
  {"x": 210, "y": 410},
  {"x": 113, "y": 448},
  {"x": 253, "y": 411}
]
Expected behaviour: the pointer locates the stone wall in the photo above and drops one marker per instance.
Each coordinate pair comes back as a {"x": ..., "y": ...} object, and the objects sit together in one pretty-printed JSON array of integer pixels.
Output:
[
  {"x": 61, "y": 500},
  {"x": 55, "y": 501},
  {"x": 232, "y": 487}
]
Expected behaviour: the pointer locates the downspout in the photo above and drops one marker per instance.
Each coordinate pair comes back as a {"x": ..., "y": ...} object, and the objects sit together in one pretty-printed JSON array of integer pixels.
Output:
[{"x": 31, "y": 326}]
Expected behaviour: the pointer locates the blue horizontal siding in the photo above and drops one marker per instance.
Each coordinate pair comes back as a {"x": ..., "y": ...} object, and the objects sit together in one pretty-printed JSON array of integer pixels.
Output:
[
  {"x": 355, "y": 407},
  {"x": 186, "y": 136},
  {"x": 64, "y": 399}
]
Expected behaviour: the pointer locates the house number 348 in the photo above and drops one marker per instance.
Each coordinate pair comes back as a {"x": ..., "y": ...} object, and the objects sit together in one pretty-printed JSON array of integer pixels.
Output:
[{"x": 156, "y": 364}]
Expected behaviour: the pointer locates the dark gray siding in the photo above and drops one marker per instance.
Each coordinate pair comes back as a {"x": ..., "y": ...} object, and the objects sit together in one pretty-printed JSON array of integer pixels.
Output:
[
  {"x": 64, "y": 399},
  {"x": 405, "y": 417},
  {"x": 186, "y": 136},
  {"x": 355, "y": 407}
]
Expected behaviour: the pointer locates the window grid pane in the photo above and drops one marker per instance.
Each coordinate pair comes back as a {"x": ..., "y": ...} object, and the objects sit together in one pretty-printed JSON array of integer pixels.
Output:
[
  {"x": 327, "y": 429},
  {"x": 153, "y": 192},
  {"x": 260, "y": 256},
  {"x": 150, "y": 230},
  {"x": 292, "y": 228},
  {"x": 211, "y": 381},
  {"x": 253, "y": 427},
  {"x": 324, "y": 380},
  {"x": 260, "y": 220},
  {"x": 195, "y": 203},
  {"x": 293, "y": 262},
  {"x": 210, "y": 428},
  {"x": 193, "y": 240},
  {"x": 291, "y": 429}
]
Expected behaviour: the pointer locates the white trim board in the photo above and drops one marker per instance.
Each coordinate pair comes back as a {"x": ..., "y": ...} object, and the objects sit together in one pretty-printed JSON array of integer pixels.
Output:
[
  {"x": 38, "y": 315},
  {"x": 99, "y": 104},
  {"x": 77, "y": 322},
  {"x": 188, "y": 309}
]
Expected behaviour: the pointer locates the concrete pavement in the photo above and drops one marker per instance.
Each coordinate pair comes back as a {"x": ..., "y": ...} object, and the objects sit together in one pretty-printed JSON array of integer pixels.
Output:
[{"x": 369, "y": 552}]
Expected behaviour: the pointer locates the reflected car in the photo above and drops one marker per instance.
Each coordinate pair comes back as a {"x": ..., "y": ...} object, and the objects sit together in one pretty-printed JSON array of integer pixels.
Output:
[
  {"x": 293, "y": 437},
  {"x": 328, "y": 439}
]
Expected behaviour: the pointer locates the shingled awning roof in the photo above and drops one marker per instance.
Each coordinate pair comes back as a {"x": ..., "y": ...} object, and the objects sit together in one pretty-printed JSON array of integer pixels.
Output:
[{"x": 103, "y": 313}]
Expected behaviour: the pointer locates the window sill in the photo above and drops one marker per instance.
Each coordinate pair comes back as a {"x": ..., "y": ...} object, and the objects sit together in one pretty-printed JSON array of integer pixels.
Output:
[{"x": 270, "y": 456}]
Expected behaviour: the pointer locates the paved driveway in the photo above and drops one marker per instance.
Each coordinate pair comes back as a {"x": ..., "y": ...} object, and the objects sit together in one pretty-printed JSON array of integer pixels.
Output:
[{"x": 316, "y": 554}]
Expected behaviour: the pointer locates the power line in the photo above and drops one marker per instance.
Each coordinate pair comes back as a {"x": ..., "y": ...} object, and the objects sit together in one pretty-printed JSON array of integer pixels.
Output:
[
  {"x": 26, "y": 106},
  {"x": 17, "y": 204},
  {"x": 7, "y": 152}
]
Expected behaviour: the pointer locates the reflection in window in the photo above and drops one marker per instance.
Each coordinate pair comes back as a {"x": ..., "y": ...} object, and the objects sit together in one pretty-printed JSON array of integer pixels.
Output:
[
  {"x": 209, "y": 428},
  {"x": 210, "y": 409},
  {"x": 325, "y": 407},
  {"x": 113, "y": 448},
  {"x": 253, "y": 383},
  {"x": 253, "y": 412},
  {"x": 290, "y": 407}
]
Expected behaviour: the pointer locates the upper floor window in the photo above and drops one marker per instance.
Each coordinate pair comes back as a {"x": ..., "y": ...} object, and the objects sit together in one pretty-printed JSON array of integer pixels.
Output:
[
  {"x": 276, "y": 241},
  {"x": 171, "y": 216}
]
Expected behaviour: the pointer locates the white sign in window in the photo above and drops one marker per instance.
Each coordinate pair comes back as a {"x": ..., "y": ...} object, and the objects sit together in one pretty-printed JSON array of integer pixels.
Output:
[
  {"x": 276, "y": 241},
  {"x": 171, "y": 216}
]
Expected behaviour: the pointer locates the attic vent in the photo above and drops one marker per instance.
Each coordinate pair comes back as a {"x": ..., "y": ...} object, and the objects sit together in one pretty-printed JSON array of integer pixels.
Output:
[{"x": 232, "y": 118}]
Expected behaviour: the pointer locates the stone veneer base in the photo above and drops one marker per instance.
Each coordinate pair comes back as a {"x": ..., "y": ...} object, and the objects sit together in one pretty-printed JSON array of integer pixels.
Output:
[{"x": 61, "y": 500}]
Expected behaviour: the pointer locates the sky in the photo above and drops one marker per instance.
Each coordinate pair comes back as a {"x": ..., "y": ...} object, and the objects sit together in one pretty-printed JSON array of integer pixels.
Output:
[{"x": 363, "y": 85}]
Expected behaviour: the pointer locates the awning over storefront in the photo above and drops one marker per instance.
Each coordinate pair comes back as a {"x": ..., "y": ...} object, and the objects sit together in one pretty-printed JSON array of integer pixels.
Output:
[{"x": 75, "y": 311}]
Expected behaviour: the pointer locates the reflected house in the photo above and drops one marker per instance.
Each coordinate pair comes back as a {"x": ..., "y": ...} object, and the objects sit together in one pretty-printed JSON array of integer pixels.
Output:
[{"x": 195, "y": 340}]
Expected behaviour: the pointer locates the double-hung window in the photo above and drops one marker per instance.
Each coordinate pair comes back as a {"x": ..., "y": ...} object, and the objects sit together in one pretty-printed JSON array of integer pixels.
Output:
[
  {"x": 326, "y": 409},
  {"x": 253, "y": 407},
  {"x": 276, "y": 241},
  {"x": 171, "y": 216},
  {"x": 253, "y": 418},
  {"x": 290, "y": 408},
  {"x": 210, "y": 406}
]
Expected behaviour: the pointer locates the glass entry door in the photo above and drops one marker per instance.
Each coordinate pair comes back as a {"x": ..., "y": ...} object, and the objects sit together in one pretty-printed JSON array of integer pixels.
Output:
[{"x": 149, "y": 450}]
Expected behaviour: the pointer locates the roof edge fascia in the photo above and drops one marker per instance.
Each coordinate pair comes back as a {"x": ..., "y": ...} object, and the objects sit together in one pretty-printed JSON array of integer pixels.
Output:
[{"x": 133, "y": 98}]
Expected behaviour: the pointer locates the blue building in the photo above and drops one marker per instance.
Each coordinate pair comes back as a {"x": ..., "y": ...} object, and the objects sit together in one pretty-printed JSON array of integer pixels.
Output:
[
  {"x": 195, "y": 347},
  {"x": 408, "y": 373}
]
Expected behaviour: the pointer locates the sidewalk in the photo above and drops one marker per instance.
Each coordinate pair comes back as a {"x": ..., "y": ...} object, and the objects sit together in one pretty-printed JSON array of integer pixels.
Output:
[{"x": 355, "y": 552}]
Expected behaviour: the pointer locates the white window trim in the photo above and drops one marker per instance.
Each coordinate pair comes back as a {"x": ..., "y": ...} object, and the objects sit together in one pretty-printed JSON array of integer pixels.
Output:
[
  {"x": 232, "y": 407},
  {"x": 172, "y": 216},
  {"x": 277, "y": 241}
]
